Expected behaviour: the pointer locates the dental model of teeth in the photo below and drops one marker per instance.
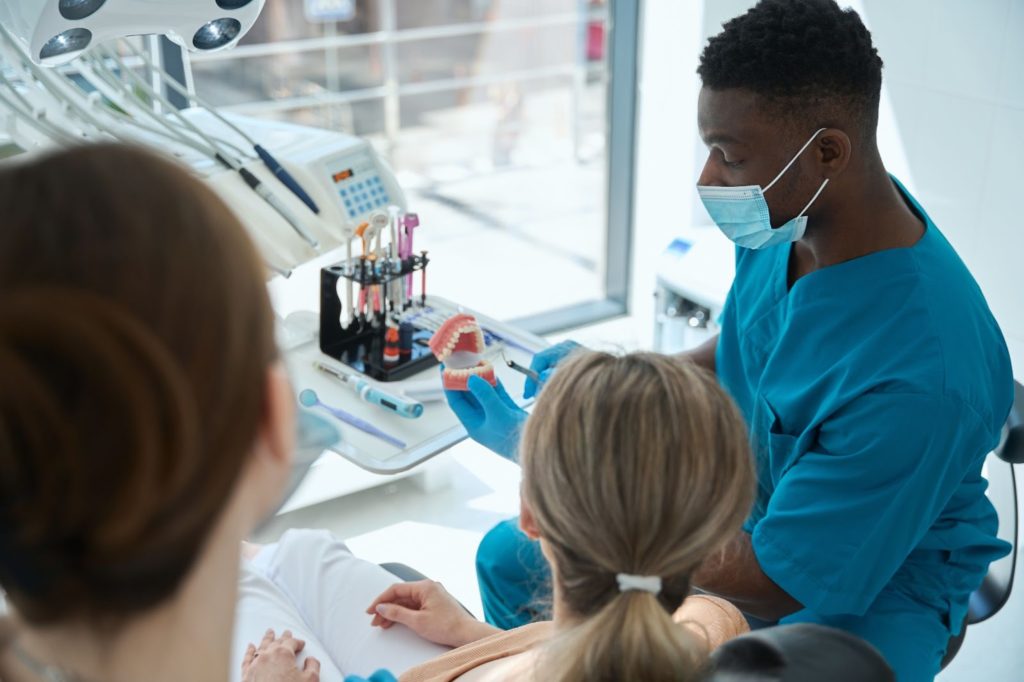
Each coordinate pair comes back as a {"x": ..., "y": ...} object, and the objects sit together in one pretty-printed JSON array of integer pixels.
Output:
[{"x": 459, "y": 345}]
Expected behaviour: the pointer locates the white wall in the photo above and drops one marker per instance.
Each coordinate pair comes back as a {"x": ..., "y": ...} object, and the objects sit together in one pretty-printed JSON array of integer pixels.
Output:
[
  {"x": 951, "y": 126},
  {"x": 954, "y": 71}
]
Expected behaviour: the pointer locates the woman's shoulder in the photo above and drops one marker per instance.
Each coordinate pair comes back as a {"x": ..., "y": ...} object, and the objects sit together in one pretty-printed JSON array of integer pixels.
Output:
[
  {"x": 490, "y": 658},
  {"x": 713, "y": 619}
]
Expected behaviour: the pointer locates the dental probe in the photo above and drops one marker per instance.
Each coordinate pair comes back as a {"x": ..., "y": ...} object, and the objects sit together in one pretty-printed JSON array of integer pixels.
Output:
[
  {"x": 403, "y": 407},
  {"x": 523, "y": 370}
]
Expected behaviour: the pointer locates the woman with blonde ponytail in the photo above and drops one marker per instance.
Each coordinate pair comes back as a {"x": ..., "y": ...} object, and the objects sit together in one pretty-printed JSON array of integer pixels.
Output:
[{"x": 635, "y": 470}]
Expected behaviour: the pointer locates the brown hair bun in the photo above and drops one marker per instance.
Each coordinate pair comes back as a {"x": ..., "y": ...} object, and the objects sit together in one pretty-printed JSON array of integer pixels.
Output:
[{"x": 135, "y": 336}]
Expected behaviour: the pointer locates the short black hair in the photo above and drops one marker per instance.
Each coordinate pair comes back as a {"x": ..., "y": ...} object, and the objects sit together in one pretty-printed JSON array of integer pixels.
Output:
[{"x": 810, "y": 58}]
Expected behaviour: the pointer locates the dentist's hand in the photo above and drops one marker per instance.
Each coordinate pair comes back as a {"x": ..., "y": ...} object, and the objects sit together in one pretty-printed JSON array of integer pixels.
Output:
[
  {"x": 490, "y": 416},
  {"x": 544, "y": 362}
]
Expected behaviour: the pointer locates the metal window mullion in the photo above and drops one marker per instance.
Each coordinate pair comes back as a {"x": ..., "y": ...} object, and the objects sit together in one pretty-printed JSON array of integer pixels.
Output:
[{"x": 622, "y": 94}]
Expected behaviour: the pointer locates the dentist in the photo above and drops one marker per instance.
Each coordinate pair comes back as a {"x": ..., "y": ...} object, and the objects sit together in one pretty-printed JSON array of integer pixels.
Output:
[{"x": 872, "y": 375}]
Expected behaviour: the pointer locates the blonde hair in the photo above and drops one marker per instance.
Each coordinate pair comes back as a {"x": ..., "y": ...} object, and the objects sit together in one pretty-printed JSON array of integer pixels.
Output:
[{"x": 636, "y": 464}]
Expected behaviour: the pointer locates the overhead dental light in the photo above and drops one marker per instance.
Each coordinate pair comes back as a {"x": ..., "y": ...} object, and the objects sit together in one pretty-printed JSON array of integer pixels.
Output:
[{"x": 54, "y": 32}]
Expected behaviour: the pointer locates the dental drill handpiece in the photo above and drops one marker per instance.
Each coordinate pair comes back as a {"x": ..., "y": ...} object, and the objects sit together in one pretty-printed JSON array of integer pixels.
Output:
[{"x": 403, "y": 407}]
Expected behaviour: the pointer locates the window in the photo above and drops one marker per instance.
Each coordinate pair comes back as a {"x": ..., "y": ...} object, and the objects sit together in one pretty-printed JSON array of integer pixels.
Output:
[{"x": 499, "y": 118}]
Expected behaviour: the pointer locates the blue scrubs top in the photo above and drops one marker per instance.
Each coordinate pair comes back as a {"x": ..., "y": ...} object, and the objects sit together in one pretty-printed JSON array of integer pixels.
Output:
[{"x": 874, "y": 389}]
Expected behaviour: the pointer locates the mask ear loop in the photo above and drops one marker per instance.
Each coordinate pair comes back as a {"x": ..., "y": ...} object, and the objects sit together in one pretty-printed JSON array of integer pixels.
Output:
[
  {"x": 813, "y": 198},
  {"x": 792, "y": 161}
]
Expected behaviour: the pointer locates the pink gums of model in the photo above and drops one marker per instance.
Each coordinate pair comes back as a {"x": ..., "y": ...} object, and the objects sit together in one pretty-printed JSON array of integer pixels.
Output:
[{"x": 459, "y": 344}]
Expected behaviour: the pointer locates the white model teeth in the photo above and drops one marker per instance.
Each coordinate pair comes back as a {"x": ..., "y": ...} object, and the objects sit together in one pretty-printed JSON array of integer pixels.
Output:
[
  {"x": 479, "y": 369},
  {"x": 453, "y": 340}
]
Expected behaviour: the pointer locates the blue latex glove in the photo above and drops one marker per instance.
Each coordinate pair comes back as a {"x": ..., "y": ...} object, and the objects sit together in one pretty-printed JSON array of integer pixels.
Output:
[
  {"x": 544, "y": 362},
  {"x": 490, "y": 416},
  {"x": 379, "y": 676}
]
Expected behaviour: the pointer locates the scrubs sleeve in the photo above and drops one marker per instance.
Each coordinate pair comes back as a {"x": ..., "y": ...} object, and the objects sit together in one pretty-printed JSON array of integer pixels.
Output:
[{"x": 842, "y": 520}]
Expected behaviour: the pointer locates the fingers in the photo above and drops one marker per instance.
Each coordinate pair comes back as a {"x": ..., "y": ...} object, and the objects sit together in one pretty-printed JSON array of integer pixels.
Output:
[
  {"x": 485, "y": 394},
  {"x": 465, "y": 406},
  {"x": 544, "y": 362},
  {"x": 268, "y": 637},
  {"x": 405, "y": 592},
  {"x": 311, "y": 670},
  {"x": 398, "y": 614},
  {"x": 247, "y": 660},
  {"x": 288, "y": 641}
]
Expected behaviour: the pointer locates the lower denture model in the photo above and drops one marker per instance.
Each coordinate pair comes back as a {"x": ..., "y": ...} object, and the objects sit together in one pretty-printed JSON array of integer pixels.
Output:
[{"x": 459, "y": 344}]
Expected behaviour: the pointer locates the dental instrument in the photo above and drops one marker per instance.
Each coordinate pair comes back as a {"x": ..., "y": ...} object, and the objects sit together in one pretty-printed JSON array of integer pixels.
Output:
[
  {"x": 521, "y": 369},
  {"x": 268, "y": 159},
  {"x": 409, "y": 223},
  {"x": 308, "y": 398},
  {"x": 220, "y": 155},
  {"x": 410, "y": 409}
]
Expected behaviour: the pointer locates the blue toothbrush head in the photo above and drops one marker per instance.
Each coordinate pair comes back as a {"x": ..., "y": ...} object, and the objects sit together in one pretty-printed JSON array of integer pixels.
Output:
[{"x": 308, "y": 398}]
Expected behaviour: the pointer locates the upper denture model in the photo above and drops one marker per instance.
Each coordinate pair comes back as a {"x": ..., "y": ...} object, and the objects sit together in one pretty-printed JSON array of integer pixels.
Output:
[{"x": 459, "y": 345}]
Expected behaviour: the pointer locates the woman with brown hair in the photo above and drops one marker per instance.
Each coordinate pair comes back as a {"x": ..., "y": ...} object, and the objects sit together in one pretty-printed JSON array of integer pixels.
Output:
[
  {"x": 635, "y": 470},
  {"x": 147, "y": 423}
]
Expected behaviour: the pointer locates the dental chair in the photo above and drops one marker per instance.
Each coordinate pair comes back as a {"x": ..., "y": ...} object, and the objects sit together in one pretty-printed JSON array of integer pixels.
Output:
[
  {"x": 802, "y": 652},
  {"x": 994, "y": 592}
]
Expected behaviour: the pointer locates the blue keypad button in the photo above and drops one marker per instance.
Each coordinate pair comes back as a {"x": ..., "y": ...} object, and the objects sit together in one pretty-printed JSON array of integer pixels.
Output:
[{"x": 348, "y": 203}]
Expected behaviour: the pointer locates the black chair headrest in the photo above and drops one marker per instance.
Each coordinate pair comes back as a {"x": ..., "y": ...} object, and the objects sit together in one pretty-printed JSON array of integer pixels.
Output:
[{"x": 1012, "y": 447}]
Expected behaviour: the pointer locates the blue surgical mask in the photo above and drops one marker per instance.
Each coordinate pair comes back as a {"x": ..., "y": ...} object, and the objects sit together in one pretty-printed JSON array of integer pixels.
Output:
[{"x": 742, "y": 212}]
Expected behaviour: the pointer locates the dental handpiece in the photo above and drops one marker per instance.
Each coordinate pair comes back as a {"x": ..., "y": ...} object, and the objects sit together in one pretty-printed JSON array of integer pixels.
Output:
[{"x": 403, "y": 407}]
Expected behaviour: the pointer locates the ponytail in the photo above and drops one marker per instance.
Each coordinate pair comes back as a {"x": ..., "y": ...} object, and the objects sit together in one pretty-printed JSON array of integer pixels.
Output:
[
  {"x": 632, "y": 637},
  {"x": 638, "y": 465}
]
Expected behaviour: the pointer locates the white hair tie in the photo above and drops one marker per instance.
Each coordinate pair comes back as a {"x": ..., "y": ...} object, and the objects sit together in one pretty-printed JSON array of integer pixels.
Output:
[{"x": 643, "y": 583}]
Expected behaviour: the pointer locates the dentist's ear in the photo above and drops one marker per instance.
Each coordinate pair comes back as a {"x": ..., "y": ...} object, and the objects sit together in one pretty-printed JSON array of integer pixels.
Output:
[{"x": 833, "y": 151}]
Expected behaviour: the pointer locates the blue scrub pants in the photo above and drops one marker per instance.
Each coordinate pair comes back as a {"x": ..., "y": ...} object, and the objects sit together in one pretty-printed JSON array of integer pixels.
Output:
[{"x": 514, "y": 577}]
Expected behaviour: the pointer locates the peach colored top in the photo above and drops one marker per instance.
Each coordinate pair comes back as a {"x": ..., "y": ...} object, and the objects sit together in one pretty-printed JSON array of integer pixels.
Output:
[{"x": 712, "y": 619}]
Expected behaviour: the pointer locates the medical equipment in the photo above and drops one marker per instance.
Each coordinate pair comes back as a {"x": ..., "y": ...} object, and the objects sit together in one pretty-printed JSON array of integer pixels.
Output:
[
  {"x": 459, "y": 344},
  {"x": 268, "y": 159},
  {"x": 338, "y": 190},
  {"x": 54, "y": 32},
  {"x": 523, "y": 370},
  {"x": 308, "y": 398},
  {"x": 410, "y": 409},
  {"x": 694, "y": 274},
  {"x": 365, "y": 335}
]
